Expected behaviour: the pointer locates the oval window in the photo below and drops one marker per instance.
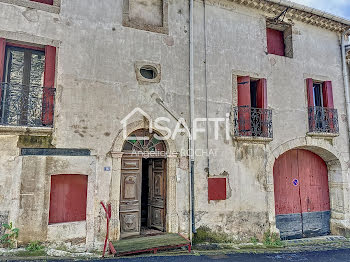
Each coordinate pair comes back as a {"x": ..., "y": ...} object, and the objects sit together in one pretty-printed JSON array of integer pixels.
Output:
[{"x": 148, "y": 72}]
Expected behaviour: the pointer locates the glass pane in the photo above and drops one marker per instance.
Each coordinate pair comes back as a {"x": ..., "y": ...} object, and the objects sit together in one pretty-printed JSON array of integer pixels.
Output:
[
  {"x": 37, "y": 69},
  {"x": 318, "y": 95},
  {"x": 15, "y": 65}
]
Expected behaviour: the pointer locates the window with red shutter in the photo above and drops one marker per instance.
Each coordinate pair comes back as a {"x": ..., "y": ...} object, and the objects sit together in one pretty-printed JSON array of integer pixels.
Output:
[
  {"x": 27, "y": 89},
  {"x": 68, "y": 198},
  {"x": 279, "y": 38},
  {"x": 322, "y": 115},
  {"x": 253, "y": 118}
]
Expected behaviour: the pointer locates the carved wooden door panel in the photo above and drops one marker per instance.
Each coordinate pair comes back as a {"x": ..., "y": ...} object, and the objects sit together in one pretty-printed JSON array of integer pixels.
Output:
[
  {"x": 157, "y": 193},
  {"x": 130, "y": 196}
]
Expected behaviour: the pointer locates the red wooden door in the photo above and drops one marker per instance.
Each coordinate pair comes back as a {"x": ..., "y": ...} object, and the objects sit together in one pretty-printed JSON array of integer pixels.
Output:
[{"x": 301, "y": 194}]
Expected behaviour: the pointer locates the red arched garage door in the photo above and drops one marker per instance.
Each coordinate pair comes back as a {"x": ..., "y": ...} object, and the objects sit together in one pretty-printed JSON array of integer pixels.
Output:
[{"x": 301, "y": 195}]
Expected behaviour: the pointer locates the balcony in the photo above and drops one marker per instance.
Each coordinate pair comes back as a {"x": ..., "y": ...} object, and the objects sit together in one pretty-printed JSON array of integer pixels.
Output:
[
  {"x": 323, "y": 120},
  {"x": 26, "y": 106},
  {"x": 252, "y": 122}
]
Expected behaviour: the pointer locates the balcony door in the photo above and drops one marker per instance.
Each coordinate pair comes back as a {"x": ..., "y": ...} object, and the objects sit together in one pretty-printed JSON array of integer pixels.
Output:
[
  {"x": 252, "y": 105},
  {"x": 322, "y": 115},
  {"x": 22, "y": 88}
]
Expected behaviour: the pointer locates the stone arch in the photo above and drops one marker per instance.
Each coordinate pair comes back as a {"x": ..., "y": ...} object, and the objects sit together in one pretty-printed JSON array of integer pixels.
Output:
[
  {"x": 118, "y": 141},
  {"x": 337, "y": 173}
]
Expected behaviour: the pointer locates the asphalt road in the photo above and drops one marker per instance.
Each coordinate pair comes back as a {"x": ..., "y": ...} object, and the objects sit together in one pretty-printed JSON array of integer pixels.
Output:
[{"x": 317, "y": 256}]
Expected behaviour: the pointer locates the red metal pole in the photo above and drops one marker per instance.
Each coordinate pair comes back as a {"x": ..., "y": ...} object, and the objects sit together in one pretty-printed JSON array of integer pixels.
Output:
[{"x": 108, "y": 217}]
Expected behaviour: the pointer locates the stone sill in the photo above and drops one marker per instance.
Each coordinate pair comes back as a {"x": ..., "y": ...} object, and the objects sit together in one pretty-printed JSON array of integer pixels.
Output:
[
  {"x": 34, "y": 5},
  {"x": 25, "y": 130},
  {"x": 323, "y": 135},
  {"x": 253, "y": 139}
]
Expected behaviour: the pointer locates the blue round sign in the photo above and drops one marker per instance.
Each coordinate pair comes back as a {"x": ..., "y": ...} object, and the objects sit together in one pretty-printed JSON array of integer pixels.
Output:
[{"x": 295, "y": 182}]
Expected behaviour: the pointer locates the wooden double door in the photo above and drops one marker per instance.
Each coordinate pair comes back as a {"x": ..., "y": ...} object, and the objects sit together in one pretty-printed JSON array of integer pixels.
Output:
[
  {"x": 143, "y": 195},
  {"x": 302, "y": 201}
]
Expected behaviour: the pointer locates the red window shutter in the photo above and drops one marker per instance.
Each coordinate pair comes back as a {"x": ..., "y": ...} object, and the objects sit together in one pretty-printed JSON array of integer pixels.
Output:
[
  {"x": 275, "y": 42},
  {"x": 68, "y": 198},
  {"x": 244, "y": 105},
  {"x": 49, "y": 84},
  {"x": 2, "y": 58},
  {"x": 262, "y": 103},
  {"x": 327, "y": 93},
  {"x": 216, "y": 188},
  {"x": 48, "y": 2},
  {"x": 262, "y": 94},
  {"x": 243, "y": 91},
  {"x": 2, "y": 63},
  {"x": 310, "y": 92}
]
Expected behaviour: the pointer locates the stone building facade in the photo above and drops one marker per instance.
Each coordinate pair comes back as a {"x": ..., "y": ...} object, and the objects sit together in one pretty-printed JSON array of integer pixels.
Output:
[{"x": 101, "y": 60}]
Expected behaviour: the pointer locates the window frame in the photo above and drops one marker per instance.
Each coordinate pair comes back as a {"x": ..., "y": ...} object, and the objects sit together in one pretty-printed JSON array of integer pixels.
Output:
[
  {"x": 287, "y": 31},
  {"x": 49, "y": 80},
  {"x": 128, "y": 22}
]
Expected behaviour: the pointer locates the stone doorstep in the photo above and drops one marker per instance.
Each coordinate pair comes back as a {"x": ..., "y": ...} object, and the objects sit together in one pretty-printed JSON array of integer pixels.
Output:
[{"x": 315, "y": 240}]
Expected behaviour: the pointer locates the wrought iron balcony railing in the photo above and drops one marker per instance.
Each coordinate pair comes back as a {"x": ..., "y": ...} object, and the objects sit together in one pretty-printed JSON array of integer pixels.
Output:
[
  {"x": 253, "y": 122},
  {"x": 323, "y": 120},
  {"x": 22, "y": 105}
]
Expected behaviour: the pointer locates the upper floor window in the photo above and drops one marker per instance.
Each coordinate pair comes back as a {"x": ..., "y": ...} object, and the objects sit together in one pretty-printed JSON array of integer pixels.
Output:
[
  {"x": 279, "y": 38},
  {"x": 252, "y": 116},
  {"x": 322, "y": 115},
  {"x": 27, "y": 76},
  {"x": 150, "y": 15}
]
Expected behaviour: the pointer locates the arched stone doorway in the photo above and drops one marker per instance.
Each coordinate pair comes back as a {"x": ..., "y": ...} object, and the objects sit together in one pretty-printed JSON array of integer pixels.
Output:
[
  {"x": 171, "y": 157},
  {"x": 337, "y": 179},
  {"x": 302, "y": 201},
  {"x": 143, "y": 185}
]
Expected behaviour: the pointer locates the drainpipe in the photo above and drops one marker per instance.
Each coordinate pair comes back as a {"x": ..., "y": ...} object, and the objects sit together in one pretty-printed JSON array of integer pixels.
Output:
[
  {"x": 191, "y": 142},
  {"x": 346, "y": 77}
]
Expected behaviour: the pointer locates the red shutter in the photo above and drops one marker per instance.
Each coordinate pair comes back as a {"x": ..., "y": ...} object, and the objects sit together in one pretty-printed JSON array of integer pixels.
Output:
[
  {"x": 275, "y": 42},
  {"x": 244, "y": 105},
  {"x": 310, "y": 92},
  {"x": 262, "y": 94},
  {"x": 68, "y": 198},
  {"x": 2, "y": 63},
  {"x": 262, "y": 103},
  {"x": 327, "y": 93},
  {"x": 310, "y": 103},
  {"x": 49, "y": 84},
  {"x": 216, "y": 188}
]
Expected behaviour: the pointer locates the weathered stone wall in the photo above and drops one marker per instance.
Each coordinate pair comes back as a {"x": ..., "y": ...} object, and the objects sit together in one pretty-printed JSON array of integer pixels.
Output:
[{"x": 97, "y": 87}]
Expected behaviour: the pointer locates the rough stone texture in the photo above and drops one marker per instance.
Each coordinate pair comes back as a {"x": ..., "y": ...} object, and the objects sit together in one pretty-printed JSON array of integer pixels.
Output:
[
  {"x": 97, "y": 87},
  {"x": 4, "y": 217}
]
